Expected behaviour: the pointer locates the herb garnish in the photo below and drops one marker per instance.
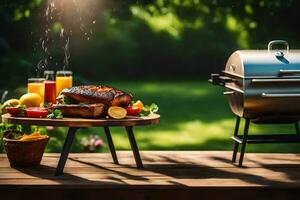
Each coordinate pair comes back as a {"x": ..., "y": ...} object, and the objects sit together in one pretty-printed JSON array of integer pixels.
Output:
[{"x": 55, "y": 114}]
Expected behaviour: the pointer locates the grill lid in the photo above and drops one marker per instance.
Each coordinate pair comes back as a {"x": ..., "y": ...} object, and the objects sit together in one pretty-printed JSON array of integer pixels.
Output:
[{"x": 264, "y": 63}]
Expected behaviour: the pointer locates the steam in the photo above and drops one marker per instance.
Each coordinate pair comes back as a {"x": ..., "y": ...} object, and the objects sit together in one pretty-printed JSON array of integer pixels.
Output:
[
  {"x": 67, "y": 54},
  {"x": 44, "y": 39},
  {"x": 67, "y": 15}
]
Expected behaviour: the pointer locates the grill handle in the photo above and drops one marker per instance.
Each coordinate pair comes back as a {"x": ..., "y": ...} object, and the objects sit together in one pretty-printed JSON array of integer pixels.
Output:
[
  {"x": 280, "y": 95},
  {"x": 217, "y": 79},
  {"x": 284, "y": 71},
  {"x": 276, "y": 42}
]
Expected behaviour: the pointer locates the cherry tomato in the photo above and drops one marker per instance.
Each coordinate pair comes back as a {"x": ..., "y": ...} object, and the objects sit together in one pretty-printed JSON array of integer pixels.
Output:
[
  {"x": 133, "y": 111},
  {"x": 36, "y": 112},
  {"x": 13, "y": 111}
]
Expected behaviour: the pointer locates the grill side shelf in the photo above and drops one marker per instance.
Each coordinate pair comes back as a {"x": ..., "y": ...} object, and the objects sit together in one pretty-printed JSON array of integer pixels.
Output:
[{"x": 269, "y": 138}]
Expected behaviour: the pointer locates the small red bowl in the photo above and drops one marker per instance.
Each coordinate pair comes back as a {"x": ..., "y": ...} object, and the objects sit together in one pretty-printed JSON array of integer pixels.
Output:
[
  {"x": 36, "y": 112},
  {"x": 13, "y": 111}
]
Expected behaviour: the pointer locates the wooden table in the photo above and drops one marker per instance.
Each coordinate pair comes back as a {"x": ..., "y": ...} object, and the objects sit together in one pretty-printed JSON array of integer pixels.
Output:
[
  {"x": 75, "y": 123},
  {"x": 178, "y": 175}
]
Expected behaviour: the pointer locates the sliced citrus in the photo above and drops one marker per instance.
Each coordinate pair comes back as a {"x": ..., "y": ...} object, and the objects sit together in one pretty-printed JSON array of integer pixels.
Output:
[
  {"x": 138, "y": 104},
  {"x": 117, "y": 112},
  {"x": 31, "y": 100}
]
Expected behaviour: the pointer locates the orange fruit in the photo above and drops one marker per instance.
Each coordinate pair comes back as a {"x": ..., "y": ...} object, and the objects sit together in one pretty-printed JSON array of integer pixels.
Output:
[
  {"x": 138, "y": 104},
  {"x": 117, "y": 112},
  {"x": 31, "y": 100}
]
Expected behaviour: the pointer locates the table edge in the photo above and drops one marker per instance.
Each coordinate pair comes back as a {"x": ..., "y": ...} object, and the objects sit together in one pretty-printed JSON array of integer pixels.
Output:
[{"x": 102, "y": 123}]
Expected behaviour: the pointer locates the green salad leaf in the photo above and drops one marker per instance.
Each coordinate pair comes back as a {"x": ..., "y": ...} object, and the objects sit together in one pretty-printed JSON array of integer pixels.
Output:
[{"x": 147, "y": 110}]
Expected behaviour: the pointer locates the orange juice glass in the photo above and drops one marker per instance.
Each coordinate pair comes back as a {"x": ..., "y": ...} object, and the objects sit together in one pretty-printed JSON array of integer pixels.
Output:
[
  {"x": 64, "y": 80},
  {"x": 36, "y": 85}
]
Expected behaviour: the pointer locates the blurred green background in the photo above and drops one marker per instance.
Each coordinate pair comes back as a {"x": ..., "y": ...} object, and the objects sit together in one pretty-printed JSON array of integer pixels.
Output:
[{"x": 160, "y": 51}]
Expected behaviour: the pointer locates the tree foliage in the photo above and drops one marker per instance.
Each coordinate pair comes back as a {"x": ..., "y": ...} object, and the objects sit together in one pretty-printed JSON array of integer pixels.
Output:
[{"x": 148, "y": 39}]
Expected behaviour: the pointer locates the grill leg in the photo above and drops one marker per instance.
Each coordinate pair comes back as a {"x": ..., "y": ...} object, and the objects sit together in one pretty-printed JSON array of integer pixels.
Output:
[
  {"x": 111, "y": 145},
  {"x": 65, "y": 151},
  {"x": 246, "y": 128},
  {"x": 297, "y": 128},
  {"x": 236, "y": 144},
  {"x": 134, "y": 147}
]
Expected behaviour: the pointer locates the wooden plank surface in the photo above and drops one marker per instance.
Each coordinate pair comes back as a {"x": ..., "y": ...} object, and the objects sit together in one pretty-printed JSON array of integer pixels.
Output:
[
  {"x": 82, "y": 122},
  {"x": 163, "y": 170},
  {"x": 188, "y": 168}
]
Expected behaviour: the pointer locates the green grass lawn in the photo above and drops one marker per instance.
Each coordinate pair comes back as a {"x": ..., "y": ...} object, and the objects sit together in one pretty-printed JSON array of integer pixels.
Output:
[{"x": 194, "y": 116}]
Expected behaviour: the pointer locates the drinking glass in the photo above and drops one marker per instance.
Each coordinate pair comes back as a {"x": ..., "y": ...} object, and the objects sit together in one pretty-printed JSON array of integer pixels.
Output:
[
  {"x": 64, "y": 80},
  {"x": 36, "y": 85},
  {"x": 50, "y": 87}
]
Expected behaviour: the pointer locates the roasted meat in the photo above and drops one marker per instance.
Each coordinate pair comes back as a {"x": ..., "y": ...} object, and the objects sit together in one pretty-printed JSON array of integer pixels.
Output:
[
  {"x": 98, "y": 94},
  {"x": 91, "y": 101},
  {"x": 82, "y": 110}
]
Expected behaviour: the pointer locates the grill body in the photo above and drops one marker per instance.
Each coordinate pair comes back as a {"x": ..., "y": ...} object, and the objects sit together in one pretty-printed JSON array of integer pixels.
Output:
[{"x": 263, "y": 85}]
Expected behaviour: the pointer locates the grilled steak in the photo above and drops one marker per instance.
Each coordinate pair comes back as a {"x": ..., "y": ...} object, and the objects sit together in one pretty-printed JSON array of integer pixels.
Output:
[
  {"x": 98, "y": 94},
  {"x": 83, "y": 110}
]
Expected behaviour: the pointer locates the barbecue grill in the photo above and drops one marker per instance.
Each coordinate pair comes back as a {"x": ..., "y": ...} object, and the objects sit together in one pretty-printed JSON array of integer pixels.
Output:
[{"x": 262, "y": 86}]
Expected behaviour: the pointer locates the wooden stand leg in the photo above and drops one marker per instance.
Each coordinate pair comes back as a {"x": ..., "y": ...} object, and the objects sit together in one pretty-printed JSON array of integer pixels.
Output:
[
  {"x": 134, "y": 147},
  {"x": 244, "y": 142},
  {"x": 65, "y": 151},
  {"x": 111, "y": 145},
  {"x": 236, "y": 144}
]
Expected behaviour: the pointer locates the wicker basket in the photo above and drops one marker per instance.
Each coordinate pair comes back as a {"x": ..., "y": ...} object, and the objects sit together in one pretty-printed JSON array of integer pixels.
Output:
[{"x": 24, "y": 153}]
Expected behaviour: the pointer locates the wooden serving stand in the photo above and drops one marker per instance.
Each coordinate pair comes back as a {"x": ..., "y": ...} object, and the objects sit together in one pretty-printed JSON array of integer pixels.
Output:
[{"x": 75, "y": 123}]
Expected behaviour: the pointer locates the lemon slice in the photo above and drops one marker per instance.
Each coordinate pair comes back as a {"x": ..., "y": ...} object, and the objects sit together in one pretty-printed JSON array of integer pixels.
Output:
[{"x": 117, "y": 112}]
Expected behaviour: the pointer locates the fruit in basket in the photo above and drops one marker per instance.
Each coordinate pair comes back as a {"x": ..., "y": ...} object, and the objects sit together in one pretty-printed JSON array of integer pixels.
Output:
[
  {"x": 31, "y": 100},
  {"x": 32, "y": 137},
  {"x": 24, "y": 150},
  {"x": 9, "y": 103},
  {"x": 117, "y": 112}
]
